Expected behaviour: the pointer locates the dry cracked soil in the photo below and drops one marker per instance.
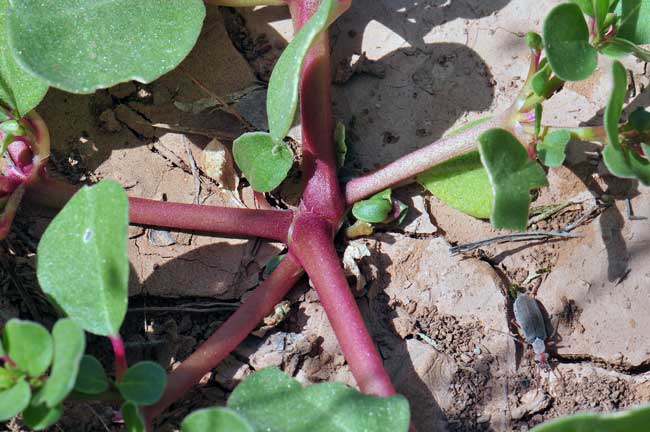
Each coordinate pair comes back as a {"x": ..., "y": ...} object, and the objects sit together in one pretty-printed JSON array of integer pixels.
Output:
[{"x": 405, "y": 72}]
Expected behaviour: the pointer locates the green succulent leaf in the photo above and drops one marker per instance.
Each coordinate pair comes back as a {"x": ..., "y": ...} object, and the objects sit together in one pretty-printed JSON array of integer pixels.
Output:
[
  {"x": 534, "y": 41},
  {"x": 633, "y": 23},
  {"x": 640, "y": 120},
  {"x": 82, "y": 258},
  {"x": 617, "y": 162},
  {"x": 132, "y": 419},
  {"x": 617, "y": 47},
  {"x": 551, "y": 150},
  {"x": 539, "y": 80},
  {"x": 7, "y": 379},
  {"x": 632, "y": 420},
  {"x": 69, "y": 346},
  {"x": 614, "y": 107},
  {"x": 264, "y": 162},
  {"x": 269, "y": 400},
  {"x": 91, "y": 378},
  {"x": 539, "y": 111},
  {"x": 143, "y": 383},
  {"x": 601, "y": 8},
  {"x": 282, "y": 96},
  {"x": 215, "y": 419},
  {"x": 566, "y": 39},
  {"x": 19, "y": 90},
  {"x": 585, "y": 5},
  {"x": 14, "y": 400},
  {"x": 39, "y": 417},
  {"x": 375, "y": 209},
  {"x": 462, "y": 183},
  {"x": 12, "y": 127},
  {"x": 84, "y": 45},
  {"x": 29, "y": 345},
  {"x": 512, "y": 175},
  {"x": 621, "y": 160}
]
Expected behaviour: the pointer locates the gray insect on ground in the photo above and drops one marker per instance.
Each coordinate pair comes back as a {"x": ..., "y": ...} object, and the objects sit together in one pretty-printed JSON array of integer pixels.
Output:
[{"x": 530, "y": 320}]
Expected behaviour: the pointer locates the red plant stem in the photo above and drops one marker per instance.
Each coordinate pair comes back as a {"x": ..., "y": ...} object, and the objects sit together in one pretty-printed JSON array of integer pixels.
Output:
[
  {"x": 229, "y": 335},
  {"x": 120, "y": 356},
  {"x": 312, "y": 244},
  {"x": 407, "y": 167},
  {"x": 322, "y": 194},
  {"x": 270, "y": 224}
]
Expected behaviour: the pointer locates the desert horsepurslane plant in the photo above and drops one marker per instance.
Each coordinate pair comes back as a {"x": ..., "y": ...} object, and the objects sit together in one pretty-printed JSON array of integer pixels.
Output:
[{"x": 487, "y": 169}]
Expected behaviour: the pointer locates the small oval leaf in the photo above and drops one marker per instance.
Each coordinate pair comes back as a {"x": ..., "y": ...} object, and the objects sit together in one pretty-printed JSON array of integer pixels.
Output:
[
  {"x": 566, "y": 39},
  {"x": 39, "y": 417},
  {"x": 29, "y": 345},
  {"x": 69, "y": 346},
  {"x": 82, "y": 258},
  {"x": 14, "y": 400},
  {"x": 84, "y": 45},
  {"x": 551, "y": 150},
  {"x": 264, "y": 162},
  {"x": 132, "y": 419},
  {"x": 512, "y": 175},
  {"x": 91, "y": 378},
  {"x": 375, "y": 209},
  {"x": 143, "y": 383},
  {"x": 215, "y": 419}
]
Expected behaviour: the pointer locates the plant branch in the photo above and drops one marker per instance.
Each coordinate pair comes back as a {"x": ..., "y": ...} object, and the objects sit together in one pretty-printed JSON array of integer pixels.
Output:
[
  {"x": 407, "y": 167},
  {"x": 229, "y": 335},
  {"x": 120, "y": 356},
  {"x": 270, "y": 224},
  {"x": 322, "y": 193},
  {"x": 312, "y": 245}
]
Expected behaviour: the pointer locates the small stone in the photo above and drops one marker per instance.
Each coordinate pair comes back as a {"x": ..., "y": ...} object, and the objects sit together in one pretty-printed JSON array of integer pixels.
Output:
[{"x": 160, "y": 238}]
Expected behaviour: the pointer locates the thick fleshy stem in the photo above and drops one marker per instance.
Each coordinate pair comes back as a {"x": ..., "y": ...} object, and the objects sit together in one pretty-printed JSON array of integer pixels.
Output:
[
  {"x": 409, "y": 166},
  {"x": 120, "y": 356},
  {"x": 322, "y": 193},
  {"x": 229, "y": 335},
  {"x": 312, "y": 244},
  {"x": 270, "y": 224}
]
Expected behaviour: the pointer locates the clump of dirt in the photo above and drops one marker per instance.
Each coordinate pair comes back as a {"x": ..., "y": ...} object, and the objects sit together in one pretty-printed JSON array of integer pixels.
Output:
[
  {"x": 470, "y": 390},
  {"x": 597, "y": 393},
  {"x": 449, "y": 335}
]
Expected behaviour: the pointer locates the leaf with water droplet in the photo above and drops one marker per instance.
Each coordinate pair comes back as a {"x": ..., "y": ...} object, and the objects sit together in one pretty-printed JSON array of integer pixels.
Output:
[{"x": 82, "y": 258}]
